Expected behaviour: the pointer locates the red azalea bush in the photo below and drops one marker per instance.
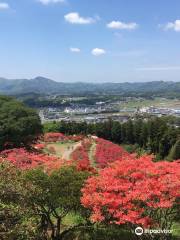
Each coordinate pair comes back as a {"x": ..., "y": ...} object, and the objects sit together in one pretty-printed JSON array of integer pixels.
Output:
[
  {"x": 54, "y": 137},
  {"x": 134, "y": 191},
  {"x": 80, "y": 156},
  {"x": 75, "y": 138},
  {"x": 107, "y": 152},
  {"x": 27, "y": 160},
  {"x": 39, "y": 146}
]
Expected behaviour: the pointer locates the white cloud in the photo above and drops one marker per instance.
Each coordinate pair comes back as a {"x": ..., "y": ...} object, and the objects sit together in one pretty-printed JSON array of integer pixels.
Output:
[
  {"x": 98, "y": 52},
  {"x": 4, "y": 6},
  {"x": 173, "y": 25},
  {"x": 122, "y": 25},
  {"x": 46, "y": 2},
  {"x": 75, "y": 50},
  {"x": 75, "y": 18}
]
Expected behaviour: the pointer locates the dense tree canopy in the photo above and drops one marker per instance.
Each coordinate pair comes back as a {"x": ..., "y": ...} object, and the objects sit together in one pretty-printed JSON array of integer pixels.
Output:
[{"x": 19, "y": 125}]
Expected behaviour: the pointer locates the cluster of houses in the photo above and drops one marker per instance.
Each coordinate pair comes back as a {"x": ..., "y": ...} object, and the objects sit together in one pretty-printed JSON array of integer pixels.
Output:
[
  {"x": 100, "y": 113},
  {"x": 159, "y": 111},
  {"x": 47, "y": 115}
]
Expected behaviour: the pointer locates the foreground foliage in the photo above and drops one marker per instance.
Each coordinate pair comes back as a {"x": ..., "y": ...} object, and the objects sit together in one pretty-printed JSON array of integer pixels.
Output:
[
  {"x": 33, "y": 203},
  {"x": 17, "y": 220},
  {"x": 53, "y": 197}
]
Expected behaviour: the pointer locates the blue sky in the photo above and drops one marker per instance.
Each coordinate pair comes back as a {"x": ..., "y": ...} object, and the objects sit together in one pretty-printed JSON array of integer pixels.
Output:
[{"x": 90, "y": 40}]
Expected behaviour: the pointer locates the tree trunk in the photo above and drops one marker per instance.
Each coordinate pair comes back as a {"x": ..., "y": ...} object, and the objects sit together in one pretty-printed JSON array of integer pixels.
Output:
[{"x": 58, "y": 229}]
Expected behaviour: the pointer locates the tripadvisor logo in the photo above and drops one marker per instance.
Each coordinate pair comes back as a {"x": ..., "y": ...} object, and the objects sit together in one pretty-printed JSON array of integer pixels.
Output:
[{"x": 139, "y": 231}]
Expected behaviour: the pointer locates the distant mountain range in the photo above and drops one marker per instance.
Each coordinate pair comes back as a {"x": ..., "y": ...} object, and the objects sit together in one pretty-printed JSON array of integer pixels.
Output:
[{"x": 43, "y": 85}]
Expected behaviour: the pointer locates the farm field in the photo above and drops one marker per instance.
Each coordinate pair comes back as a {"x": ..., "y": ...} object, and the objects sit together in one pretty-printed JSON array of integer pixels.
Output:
[{"x": 157, "y": 102}]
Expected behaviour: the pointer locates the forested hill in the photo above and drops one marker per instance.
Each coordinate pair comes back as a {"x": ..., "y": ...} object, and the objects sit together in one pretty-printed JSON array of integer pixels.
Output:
[{"x": 44, "y": 85}]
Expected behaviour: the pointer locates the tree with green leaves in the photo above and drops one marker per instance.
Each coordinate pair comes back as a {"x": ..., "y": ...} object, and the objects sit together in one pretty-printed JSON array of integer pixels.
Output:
[
  {"x": 19, "y": 125},
  {"x": 54, "y": 196},
  {"x": 16, "y": 218}
]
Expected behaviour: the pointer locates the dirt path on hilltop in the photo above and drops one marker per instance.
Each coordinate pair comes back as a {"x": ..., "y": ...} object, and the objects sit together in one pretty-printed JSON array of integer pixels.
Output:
[
  {"x": 92, "y": 154},
  {"x": 67, "y": 153}
]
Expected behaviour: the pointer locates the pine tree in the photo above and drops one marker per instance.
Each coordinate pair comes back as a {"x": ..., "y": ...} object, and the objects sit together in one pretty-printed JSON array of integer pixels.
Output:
[
  {"x": 116, "y": 132},
  {"x": 137, "y": 131},
  {"x": 144, "y": 135},
  {"x": 129, "y": 132},
  {"x": 175, "y": 151}
]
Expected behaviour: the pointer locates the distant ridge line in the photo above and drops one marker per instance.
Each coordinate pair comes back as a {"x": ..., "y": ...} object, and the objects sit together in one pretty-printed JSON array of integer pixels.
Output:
[{"x": 47, "y": 86}]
